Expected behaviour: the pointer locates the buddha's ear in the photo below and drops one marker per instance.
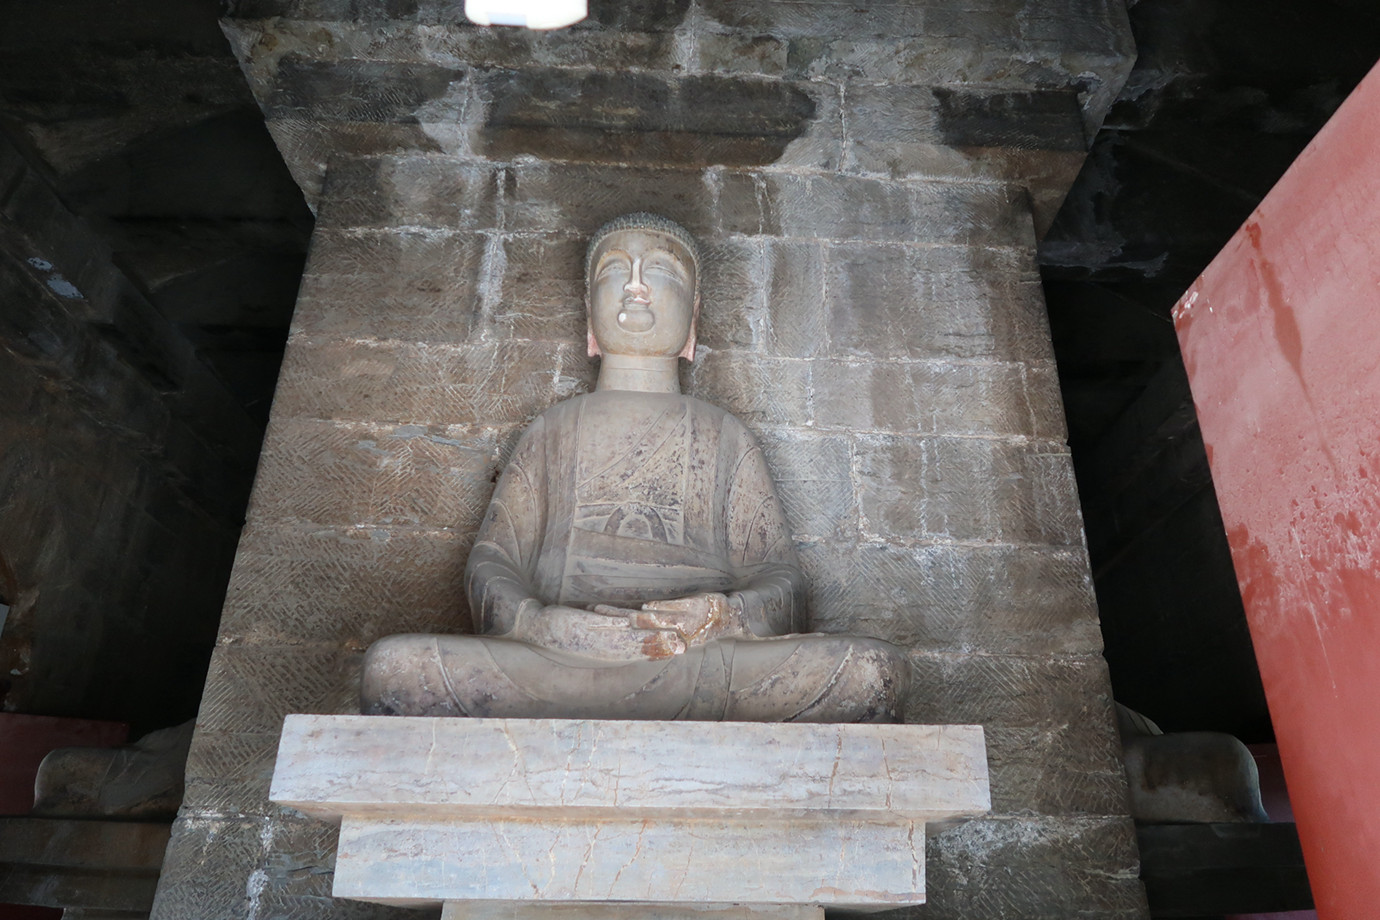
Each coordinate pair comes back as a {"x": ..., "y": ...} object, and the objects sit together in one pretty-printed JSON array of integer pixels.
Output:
[
  {"x": 591, "y": 343},
  {"x": 688, "y": 352}
]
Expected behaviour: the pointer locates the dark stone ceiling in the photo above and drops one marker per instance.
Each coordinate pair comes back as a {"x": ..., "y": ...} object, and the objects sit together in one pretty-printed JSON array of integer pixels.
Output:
[
  {"x": 140, "y": 119},
  {"x": 1225, "y": 94}
]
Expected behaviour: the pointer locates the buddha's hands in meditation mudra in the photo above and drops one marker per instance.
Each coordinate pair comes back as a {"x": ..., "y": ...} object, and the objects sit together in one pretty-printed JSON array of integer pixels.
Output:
[
  {"x": 692, "y": 620},
  {"x": 635, "y": 561},
  {"x": 696, "y": 619},
  {"x": 608, "y": 633},
  {"x": 658, "y": 630}
]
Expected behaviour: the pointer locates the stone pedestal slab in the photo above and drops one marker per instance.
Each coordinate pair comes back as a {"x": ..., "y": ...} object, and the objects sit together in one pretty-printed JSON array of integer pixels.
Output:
[
  {"x": 516, "y": 910},
  {"x": 485, "y": 814}
]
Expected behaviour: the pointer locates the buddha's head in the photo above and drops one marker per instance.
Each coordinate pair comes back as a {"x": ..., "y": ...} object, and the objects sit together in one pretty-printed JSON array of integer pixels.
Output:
[{"x": 642, "y": 288}]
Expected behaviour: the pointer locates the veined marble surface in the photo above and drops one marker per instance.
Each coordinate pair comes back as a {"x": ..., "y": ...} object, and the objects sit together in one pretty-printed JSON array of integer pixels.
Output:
[
  {"x": 489, "y": 814},
  {"x": 630, "y": 910},
  {"x": 336, "y": 765}
]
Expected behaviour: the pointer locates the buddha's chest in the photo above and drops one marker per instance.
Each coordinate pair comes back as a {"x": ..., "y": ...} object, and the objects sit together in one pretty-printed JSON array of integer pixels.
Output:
[
  {"x": 647, "y": 509},
  {"x": 640, "y": 460},
  {"x": 646, "y": 469}
]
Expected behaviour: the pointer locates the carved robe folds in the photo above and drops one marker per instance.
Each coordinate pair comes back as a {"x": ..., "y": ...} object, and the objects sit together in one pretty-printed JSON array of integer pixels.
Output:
[{"x": 618, "y": 498}]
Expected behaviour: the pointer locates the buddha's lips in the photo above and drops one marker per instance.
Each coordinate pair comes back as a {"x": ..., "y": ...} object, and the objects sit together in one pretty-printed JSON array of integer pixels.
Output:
[{"x": 635, "y": 317}]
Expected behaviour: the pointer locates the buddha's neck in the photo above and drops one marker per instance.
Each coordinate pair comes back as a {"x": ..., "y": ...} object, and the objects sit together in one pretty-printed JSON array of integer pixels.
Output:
[{"x": 645, "y": 375}]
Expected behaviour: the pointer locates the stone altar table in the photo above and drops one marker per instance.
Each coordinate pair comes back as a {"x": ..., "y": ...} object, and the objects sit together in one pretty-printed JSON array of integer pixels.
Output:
[{"x": 506, "y": 818}]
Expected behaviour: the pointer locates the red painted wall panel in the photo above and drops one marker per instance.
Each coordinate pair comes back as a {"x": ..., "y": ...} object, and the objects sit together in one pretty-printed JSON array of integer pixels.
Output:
[{"x": 1281, "y": 338}]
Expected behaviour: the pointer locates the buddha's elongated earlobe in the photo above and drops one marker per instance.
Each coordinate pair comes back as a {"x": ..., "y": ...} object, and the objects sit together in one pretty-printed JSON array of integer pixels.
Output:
[
  {"x": 591, "y": 343},
  {"x": 688, "y": 352}
]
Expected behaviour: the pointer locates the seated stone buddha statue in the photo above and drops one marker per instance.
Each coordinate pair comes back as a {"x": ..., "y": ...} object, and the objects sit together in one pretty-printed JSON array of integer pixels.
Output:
[{"x": 635, "y": 562}]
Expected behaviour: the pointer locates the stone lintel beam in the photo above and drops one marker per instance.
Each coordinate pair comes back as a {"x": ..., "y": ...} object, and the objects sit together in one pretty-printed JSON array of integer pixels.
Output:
[
  {"x": 535, "y": 811},
  {"x": 1008, "y": 91}
]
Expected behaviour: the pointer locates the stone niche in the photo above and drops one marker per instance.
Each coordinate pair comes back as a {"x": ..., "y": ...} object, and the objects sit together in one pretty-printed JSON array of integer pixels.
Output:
[{"x": 868, "y": 183}]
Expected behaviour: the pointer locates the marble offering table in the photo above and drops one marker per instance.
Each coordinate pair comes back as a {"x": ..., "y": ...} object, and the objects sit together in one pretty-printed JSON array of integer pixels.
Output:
[{"x": 510, "y": 819}]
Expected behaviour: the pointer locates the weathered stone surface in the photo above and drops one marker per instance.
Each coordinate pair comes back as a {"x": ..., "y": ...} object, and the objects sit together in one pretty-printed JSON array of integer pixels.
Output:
[
  {"x": 735, "y": 52},
  {"x": 1057, "y": 769},
  {"x": 925, "y": 302},
  {"x": 135, "y": 781},
  {"x": 1022, "y": 120},
  {"x": 230, "y": 772},
  {"x": 715, "y": 863},
  {"x": 956, "y": 598},
  {"x": 577, "y": 198},
  {"x": 1188, "y": 777},
  {"x": 813, "y": 473},
  {"x": 732, "y": 306},
  {"x": 447, "y": 43},
  {"x": 759, "y": 391},
  {"x": 1036, "y": 868},
  {"x": 1011, "y": 690},
  {"x": 892, "y": 17},
  {"x": 449, "y": 193},
  {"x": 902, "y": 130},
  {"x": 965, "y": 489},
  {"x": 1046, "y": 402},
  {"x": 332, "y": 473},
  {"x": 494, "y": 384},
  {"x": 432, "y": 192},
  {"x": 59, "y": 862},
  {"x": 1052, "y": 748},
  {"x": 639, "y": 117},
  {"x": 419, "y": 285},
  {"x": 308, "y": 146},
  {"x": 542, "y": 293},
  {"x": 839, "y": 208},
  {"x": 398, "y": 766},
  {"x": 345, "y": 585},
  {"x": 793, "y": 280},
  {"x": 525, "y": 99},
  {"x": 477, "y": 910},
  {"x": 251, "y": 688},
  {"x": 293, "y": 859},
  {"x": 929, "y": 397},
  {"x": 320, "y": 91},
  {"x": 748, "y": 813}
]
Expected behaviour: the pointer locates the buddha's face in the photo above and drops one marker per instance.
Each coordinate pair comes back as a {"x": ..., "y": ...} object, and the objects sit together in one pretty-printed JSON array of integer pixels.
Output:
[{"x": 641, "y": 294}]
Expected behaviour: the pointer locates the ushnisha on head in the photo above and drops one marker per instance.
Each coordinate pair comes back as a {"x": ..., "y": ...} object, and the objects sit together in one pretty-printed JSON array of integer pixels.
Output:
[{"x": 642, "y": 288}]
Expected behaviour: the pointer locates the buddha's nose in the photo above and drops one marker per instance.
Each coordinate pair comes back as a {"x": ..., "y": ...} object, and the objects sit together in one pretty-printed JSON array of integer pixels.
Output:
[{"x": 635, "y": 287}]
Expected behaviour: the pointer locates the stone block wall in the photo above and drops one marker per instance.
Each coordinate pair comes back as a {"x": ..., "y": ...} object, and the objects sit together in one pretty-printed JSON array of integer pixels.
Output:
[{"x": 872, "y": 310}]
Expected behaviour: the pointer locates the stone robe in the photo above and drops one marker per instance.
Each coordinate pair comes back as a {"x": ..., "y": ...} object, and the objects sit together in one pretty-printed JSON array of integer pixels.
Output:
[{"x": 620, "y": 498}]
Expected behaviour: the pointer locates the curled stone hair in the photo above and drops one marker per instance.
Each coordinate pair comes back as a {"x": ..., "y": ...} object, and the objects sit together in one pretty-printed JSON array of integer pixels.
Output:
[
  {"x": 645, "y": 220},
  {"x": 655, "y": 223}
]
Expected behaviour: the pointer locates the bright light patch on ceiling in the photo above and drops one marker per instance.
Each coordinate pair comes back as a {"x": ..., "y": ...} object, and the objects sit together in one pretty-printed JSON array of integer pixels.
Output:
[{"x": 534, "y": 14}]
